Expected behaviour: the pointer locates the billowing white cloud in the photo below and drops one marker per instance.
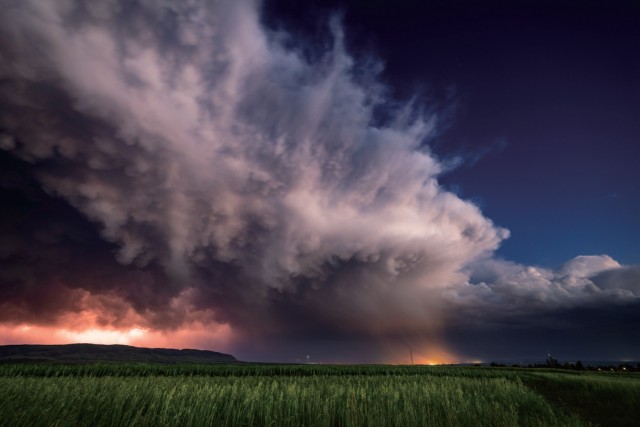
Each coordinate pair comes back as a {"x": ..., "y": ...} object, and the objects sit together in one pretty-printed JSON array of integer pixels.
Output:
[
  {"x": 502, "y": 290},
  {"x": 586, "y": 266},
  {"x": 209, "y": 141}
]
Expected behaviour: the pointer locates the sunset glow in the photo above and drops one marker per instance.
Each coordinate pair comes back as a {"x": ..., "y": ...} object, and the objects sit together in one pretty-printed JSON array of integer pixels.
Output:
[
  {"x": 198, "y": 336},
  {"x": 435, "y": 355},
  {"x": 104, "y": 336}
]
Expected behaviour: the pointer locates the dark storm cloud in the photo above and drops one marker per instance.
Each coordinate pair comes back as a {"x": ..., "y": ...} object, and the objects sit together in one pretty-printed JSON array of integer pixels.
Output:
[
  {"x": 199, "y": 148},
  {"x": 177, "y": 162},
  {"x": 51, "y": 255}
]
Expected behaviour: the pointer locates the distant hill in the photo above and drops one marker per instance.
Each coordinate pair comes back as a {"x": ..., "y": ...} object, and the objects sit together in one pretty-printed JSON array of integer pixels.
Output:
[{"x": 107, "y": 353}]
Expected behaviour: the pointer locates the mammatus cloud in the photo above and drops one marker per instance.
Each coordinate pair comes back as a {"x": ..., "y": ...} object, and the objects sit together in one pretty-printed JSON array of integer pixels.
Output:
[{"x": 172, "y": 165}]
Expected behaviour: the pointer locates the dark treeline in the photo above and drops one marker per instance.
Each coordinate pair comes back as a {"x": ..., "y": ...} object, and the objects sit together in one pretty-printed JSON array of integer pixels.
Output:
[{"x": 552, "y": 363}]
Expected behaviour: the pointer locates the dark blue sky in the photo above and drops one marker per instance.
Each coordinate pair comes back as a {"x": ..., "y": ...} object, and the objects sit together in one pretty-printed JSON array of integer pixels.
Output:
[{"x": 540, "y": 99}]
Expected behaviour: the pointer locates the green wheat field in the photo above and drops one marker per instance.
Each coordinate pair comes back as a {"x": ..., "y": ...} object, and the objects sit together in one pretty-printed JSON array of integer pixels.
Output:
[{"x": 312, "y": 395}]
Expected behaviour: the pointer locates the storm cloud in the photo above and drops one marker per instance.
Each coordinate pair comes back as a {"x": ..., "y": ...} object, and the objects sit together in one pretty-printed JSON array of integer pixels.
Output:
[{"x": 177, "y": 164}]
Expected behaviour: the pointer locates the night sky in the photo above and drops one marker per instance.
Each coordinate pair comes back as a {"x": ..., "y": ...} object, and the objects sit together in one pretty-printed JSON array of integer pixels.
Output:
[{"x": 323, "y": 181}]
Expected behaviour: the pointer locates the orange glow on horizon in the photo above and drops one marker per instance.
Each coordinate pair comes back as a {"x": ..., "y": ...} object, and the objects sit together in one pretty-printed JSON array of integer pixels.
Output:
[
  {"x": 104, "y": 336},
  {"x": 97, "y": 322},
  {"x": 433, "y": 352},
  {"x": 435, "y": 355},
  {"x": 200, "y": 336}
]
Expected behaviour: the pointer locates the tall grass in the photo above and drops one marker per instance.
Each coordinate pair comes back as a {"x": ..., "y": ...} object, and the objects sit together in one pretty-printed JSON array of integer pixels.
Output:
[
  {"x": 241, "y": 370},
  {"x": 268, "y": 400},
  {"x": 603, "y": 399},
  {"x": 268, "y": 395}
]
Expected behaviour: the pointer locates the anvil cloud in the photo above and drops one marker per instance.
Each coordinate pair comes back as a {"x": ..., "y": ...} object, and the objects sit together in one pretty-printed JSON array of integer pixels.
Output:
[{"x": 179, "y": 166}]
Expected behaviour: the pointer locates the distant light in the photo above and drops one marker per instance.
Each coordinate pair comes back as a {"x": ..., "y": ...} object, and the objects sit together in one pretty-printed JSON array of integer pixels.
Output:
[{"x": 104, "y": 336}]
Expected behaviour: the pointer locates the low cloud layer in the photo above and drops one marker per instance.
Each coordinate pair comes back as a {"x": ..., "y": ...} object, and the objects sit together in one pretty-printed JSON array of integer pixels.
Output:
[
  {"x": 521, "y": 290},
  {"x": 171, "y": 165},
  {"x": 588, "y": 307}
]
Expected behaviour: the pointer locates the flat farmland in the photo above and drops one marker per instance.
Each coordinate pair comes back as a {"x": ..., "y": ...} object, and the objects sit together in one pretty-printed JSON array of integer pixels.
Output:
[{"x": 33, "y": 394}]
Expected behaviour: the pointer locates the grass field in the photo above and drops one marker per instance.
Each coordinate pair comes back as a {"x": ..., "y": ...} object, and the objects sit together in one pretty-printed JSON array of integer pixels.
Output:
[{"x": 311, "y": 395}]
